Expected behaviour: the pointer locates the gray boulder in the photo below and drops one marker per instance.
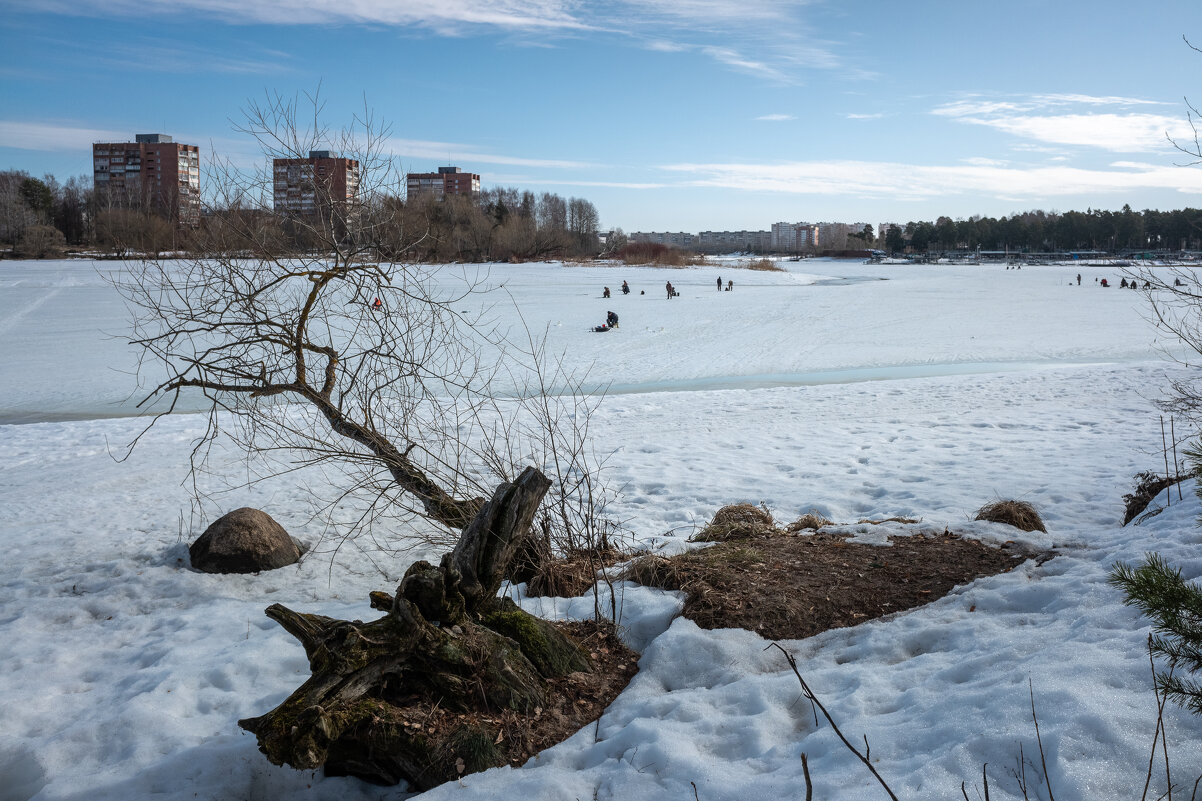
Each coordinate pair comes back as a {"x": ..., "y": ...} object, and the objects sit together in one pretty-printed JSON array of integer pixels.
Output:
[{"x": 244, "y": 541}]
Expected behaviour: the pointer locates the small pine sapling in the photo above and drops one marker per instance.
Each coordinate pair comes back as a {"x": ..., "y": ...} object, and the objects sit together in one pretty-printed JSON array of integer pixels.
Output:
[{"x": 1157, "y": 589}]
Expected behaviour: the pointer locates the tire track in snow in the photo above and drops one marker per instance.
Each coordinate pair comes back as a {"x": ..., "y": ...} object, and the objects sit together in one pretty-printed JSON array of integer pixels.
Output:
[{"x": 12, "y": 320}]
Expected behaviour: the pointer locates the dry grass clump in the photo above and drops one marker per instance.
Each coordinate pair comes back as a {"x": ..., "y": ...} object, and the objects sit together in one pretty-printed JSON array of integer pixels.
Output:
[
  {"x": 765, "y": 265},
  {"x": 572, "y": 574},
  {"x": 811, "y": 521},
  {"x": 653, "y": 571},
  {"x": 658, "y": 255},
  {"x": 1019, "y": 514},
  {"x": 740, "y": 521}
]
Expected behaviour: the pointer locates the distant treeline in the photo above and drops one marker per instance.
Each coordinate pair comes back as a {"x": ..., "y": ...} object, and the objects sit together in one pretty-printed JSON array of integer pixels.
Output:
[
  {"x": 1035, "y": 231},
  {"x": 43, "y": 218}
]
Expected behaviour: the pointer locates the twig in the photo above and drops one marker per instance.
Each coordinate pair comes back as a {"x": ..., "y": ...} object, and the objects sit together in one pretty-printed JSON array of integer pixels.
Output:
[
  {"x": 1176, "y": 468},
  {"x": 1168, "y": 491},
  {"x": 1159, "y": 720},
  {"x": 1042, "y": 760},
  {"x": 805, "y": 772},
  {"x": 695, "y": 796},
  {"x": 805, "y": 689}
]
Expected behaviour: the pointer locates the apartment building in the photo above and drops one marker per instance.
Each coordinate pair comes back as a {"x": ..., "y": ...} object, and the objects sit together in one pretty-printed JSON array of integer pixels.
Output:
[
  {"x": 320, "y": 183},
  {"x": 794, "y": 237},
  {"x": 677, "y": 240},
  {"x": 729, "y": 241},
  {"x": 447, "y": 181},
  {"x": 151, "y": 171}
]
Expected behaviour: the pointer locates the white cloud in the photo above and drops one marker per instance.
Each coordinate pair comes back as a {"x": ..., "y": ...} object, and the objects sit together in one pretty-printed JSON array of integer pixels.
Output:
[
  {"x": 449, "y": 152},
  {"x": 1070, "y": 119},
  {"x": 54, "y": 136},
  {"x": 913, "y": 182},
  {"x": 980, "y": 161},
  {"x": 443, "y": 15},
  {"x": 776, "y": 118},
  {"x": 1132, "y": 133},
  {"x": 865, "y": 116}
]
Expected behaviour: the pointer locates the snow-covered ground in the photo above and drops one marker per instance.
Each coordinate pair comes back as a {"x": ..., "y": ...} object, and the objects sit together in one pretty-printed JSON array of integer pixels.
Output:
[{"x": 854, "y": 390}]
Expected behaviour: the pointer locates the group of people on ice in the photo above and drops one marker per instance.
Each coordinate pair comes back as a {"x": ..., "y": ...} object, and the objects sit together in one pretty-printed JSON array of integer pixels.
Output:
[{"x": 611, "y": 319}]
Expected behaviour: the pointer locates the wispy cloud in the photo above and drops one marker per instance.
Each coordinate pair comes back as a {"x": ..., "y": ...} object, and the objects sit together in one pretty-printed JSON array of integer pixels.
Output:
[
  {"x": 51, "y": 136},
  {"x": 174, "y": 56},
  {"x": 770, "y": 39},
  {"x": 865, "y": 116},
  {"x": 863, "y": 179},
  {"x": 465, "y": 155},
  {"x": 776, "y": 117},
  {"x": 446, "y": 16},
  {"x": 1071, "y": 119}
]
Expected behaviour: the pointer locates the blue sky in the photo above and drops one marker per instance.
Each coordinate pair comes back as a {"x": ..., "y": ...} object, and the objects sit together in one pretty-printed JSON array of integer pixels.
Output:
[{"x": 691, "y": 115}]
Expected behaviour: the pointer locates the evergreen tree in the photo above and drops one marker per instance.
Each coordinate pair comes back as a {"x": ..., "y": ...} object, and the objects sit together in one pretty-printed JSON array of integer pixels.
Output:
[{"x": 1157, "y": 589}]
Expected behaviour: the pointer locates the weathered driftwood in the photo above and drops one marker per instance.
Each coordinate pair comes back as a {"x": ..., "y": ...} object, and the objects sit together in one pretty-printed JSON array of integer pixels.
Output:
[{"x": 446, "y": 639}]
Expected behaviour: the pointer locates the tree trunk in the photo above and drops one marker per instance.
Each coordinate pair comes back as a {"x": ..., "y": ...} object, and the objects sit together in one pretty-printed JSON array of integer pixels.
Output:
[{"x": 447, "y": 642}]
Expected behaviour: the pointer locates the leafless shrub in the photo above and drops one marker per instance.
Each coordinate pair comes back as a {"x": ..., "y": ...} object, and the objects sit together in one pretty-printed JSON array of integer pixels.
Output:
[{"x": 391, "y": 383}]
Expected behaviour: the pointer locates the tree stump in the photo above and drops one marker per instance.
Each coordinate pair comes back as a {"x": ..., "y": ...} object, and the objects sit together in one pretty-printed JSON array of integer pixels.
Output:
[{"x": 446, "y": 640}]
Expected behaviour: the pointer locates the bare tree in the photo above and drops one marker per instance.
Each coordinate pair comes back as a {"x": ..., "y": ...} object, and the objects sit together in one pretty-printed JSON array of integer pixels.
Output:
[
  {"x": 307, "y": 349},
  {"x": 1191, "y": 147},
  {"x": 1175, "y": 294}
]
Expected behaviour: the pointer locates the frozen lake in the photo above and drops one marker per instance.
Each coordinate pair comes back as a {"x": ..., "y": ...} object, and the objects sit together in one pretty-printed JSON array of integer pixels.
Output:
[
  {"x": 857, "y": 391},
  {"x": 823, "y": 322}
]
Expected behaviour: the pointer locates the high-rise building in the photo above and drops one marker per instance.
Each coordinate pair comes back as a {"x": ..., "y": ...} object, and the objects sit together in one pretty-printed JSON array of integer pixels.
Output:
[
  {"x": 447, "y": 181},
  {"x": 794, "y": 237},
  {"x": 320, "y": 183},
  {"x": 150, "y": 171}
]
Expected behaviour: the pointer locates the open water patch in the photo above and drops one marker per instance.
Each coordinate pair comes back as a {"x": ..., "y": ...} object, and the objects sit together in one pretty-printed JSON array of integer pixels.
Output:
[{"x": 853, "y": 375}]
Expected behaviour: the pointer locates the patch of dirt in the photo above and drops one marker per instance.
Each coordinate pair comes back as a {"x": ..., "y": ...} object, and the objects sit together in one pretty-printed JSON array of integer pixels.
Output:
[{"x": 790, "y": 587}]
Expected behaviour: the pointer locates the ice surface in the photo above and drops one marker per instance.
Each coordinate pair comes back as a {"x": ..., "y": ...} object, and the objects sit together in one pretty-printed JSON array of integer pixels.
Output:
[{"x": 923, "y": 395}]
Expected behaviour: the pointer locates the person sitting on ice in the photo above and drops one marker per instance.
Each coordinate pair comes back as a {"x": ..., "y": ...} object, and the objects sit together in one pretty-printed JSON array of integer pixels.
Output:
[
  {"x": 1122, "y": 283},
  {"x": 611, "y": 319},
  {"x": 1105, "y": 282},
  {"x": 605, "y": 294},
  {"x": 625, "y": 288}
]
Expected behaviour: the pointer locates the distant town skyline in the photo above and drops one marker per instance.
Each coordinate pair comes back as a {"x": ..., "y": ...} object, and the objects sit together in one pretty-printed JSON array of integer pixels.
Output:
[{"x": 669, "y": 116}]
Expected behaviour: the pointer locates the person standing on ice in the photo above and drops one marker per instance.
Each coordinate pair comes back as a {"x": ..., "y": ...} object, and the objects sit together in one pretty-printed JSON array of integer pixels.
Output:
[
  {"x": 671, "y": 291},
  {"x": 719, "y": 283},
  {"x": 1078, "y": 279}
]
